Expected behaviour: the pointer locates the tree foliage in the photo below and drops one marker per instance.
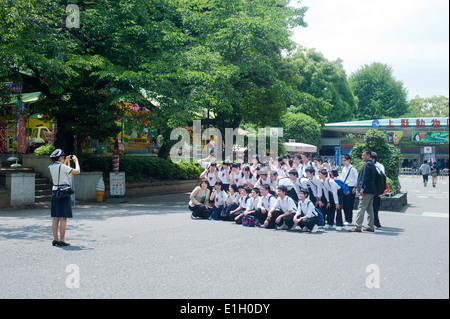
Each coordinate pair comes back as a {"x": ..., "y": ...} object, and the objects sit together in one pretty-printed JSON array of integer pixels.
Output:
[
  {"x": 379, "y": 94},
  {"x": 435, "y": 106}
]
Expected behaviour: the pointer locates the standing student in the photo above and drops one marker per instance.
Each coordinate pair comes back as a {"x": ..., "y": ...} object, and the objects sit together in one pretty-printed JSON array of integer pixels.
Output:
[
  {"x": 367, "y": 190},
  {"x": 306, "y": 163},
  {"x": 210, "y": 173},
  {"x": 274, "y": 181},
  {"x": 425, "y": 169},
  {"x": 334, "y": 195},
  {"x": 266, "y": 203},
  {"x": 350, "y": 175},
  {"x": 224, "y": 173},
  {"x": 218, "y": 197},
  {"x": 263, "y": 180},
  {"x": 199, "y": 200},
  {"x": 314, "y": 185},
  {"x": 306, "y": 217},
  {"x": 246, "y": 177},
  {"x": 293, "y": 192},
  {"x": 61, "y": 208},
  {"x": 284, "y": 207}
]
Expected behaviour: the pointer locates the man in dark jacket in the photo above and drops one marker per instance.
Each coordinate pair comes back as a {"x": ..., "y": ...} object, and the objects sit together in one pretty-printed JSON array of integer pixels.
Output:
[{"x": 367, "y": 190}]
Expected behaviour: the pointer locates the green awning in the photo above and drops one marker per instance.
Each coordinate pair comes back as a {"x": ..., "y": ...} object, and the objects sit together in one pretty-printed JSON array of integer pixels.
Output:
[{"x": 26, "y": 98}]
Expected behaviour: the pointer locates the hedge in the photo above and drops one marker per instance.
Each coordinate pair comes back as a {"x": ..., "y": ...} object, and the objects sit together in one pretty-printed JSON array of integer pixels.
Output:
[{"x": 142, "y": 169}]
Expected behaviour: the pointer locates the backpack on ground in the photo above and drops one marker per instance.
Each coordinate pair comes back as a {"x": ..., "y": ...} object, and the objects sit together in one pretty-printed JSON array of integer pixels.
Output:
[{"x": 249, "y": 221}]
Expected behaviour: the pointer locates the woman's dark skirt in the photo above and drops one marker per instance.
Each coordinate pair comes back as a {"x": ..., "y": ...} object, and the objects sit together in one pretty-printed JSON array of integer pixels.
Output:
[{"x": 61, "y": 207}]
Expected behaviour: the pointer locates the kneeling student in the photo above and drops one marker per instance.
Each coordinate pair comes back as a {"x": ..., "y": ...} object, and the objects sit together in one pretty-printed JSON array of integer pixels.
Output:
[
  {"x": 306, "y": 216},
  {"x": 284, "y": 207},
  {"x": 244, "y": 198}
]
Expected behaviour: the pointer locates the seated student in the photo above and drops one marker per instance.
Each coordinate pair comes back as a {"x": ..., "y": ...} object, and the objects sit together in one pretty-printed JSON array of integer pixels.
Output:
[
  {"x": 334, "y": 195},
  {"x": 253, "y": 202},
  {"x": 218, "y": 196},
  {"x": 306, "y": 217},
  {"x": 244, "y": 198},
  {"x": 314, "y": 185},
  {"x": 231, "y": 202},
  {"x": 265, "y": 205},
  {"x": 199, "y": 200},
  {"x": 285, "y": 206}
]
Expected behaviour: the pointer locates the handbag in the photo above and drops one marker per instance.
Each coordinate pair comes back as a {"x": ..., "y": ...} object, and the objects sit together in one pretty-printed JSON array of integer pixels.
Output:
[{"x": 63, "y": 191}]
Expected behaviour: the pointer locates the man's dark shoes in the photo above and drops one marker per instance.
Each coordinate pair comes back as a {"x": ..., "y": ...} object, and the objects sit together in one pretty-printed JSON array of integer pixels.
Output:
[
  {"x": 369, "y": 229},
  {"x": 62, "y": 244},
  {"x": 55, "y": 243},
  {"x": 355, "y": 230}
]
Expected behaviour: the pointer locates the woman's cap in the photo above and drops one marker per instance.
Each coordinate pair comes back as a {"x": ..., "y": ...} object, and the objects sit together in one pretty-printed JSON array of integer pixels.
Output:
[{"x": 57, "y": 153}]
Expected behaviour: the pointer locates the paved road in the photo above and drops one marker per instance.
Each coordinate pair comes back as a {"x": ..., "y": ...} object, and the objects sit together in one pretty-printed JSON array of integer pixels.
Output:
[{"x": 150, "y": 248}]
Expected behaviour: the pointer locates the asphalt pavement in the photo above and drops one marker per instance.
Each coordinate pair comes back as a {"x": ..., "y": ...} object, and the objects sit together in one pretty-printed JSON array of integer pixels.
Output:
[{"x": 150, "y": 248}]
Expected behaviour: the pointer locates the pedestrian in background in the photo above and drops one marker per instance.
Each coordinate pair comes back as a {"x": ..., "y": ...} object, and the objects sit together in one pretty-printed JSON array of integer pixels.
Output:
[
  {"x": 61, "y": 208},
  {"x": 425, "y": 170}
]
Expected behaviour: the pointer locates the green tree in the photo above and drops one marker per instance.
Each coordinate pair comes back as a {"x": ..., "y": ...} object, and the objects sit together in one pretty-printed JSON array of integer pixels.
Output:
[
  {"x": 324, "y": 80},
  {"x": 380, "y": 95},
  {"x": 302, "y": 128},
  {"x": 435, "y": 106}
]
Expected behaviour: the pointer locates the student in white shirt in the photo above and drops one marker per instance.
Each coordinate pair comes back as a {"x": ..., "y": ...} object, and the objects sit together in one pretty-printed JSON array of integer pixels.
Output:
[
  {"x": 265, "y": 205},
  {"x": 231, "y": 202},
  {"x": 219, "y": 197},
  {"x": 236, "y": 174},
  {"x": 350, "y": 176},
  {"x": 334, "y": 195},
  {"x": 224, "y": 174},
  {"x": 306, "y": 217},
  {"x": 246, "y": 177},
  {"x": 274, "y": 182},
  {"x": 297, "y": 164},
  {"x": 306, "y": 163},
  {"x": 244, "y": 198},
  {"x": 284, "y": 207},
  {"x": 293, "y": 193},
  {"x": 264, "y": 179},
  {"x": 252, "y": 203},
  {"x": 210, "y": 173},
  {"x": 314, "y": 185}
]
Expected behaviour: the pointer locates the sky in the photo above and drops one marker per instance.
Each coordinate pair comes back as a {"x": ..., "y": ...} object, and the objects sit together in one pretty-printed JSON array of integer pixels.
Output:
[{"x": 411, "y": 36}]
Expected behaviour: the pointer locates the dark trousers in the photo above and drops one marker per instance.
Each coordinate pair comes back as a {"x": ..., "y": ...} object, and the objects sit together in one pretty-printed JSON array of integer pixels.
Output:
[
  {"x": 275, "y": 215},
  {"x": 309, "y": 222},
  {"x": 225, "y": 214},
  {"x": 200, "y": 211},
  {"x": 348, "y": 204},
  {"x": 376, "y": 209},
  {"x": 333, "y": 211},
  {"x": 293, "y": 194},
  {"x": 260, "y": 216}
]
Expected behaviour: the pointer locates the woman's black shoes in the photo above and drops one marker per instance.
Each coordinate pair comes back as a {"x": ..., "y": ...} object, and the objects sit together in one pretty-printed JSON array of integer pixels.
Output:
[{"x": 59, "y": 243}]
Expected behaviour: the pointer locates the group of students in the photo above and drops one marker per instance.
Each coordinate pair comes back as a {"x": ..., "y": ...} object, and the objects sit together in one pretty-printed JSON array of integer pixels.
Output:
[{"x": 283, "y": 195}]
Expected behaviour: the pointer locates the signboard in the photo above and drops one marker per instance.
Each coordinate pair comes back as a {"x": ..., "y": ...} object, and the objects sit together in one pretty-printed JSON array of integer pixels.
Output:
[
  {"x": 117, "y": 183},
  {"x": 393, "y": 137},
  {"x": 428, "y": 150},
  {"x": 436, "y": 137}
]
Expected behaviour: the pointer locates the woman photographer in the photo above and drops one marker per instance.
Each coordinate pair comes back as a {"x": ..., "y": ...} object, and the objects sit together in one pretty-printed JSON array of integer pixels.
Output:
[{"x": 61, "y": 208}]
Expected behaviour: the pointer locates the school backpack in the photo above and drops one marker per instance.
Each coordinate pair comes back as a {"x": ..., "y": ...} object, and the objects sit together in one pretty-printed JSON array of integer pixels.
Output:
[
  {"x": 320, "y": 217},
  {"x": 248, "y": 221},
  {"x": 343, "y": 185},
  {"x": 380, "y": 182},
  {"x": 434, "y": 171}
]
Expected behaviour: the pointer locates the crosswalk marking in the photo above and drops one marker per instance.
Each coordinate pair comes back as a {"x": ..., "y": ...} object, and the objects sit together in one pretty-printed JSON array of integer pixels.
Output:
[{"x": 433, "y": 214}]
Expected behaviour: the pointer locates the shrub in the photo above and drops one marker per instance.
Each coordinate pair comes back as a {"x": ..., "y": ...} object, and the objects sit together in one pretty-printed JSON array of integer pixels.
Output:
[
  {"x": 44, "y": 150},
  {"x": 388, "y": 155},
  {"x": 142, "y": 169}
]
